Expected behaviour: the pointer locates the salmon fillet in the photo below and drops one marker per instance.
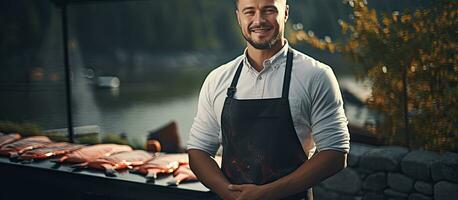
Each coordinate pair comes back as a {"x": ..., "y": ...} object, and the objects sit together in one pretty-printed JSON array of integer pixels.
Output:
[
  {"x": 15, "y": 148},
  {"x": 54, "y": 149},
  {"x": 5, "y": 139},
  {"x": 183, "y": 174},
  {"x": 162, "y": 164},
  {"x": 90, "y": 153},
  {"x": 121, "y": 160}
]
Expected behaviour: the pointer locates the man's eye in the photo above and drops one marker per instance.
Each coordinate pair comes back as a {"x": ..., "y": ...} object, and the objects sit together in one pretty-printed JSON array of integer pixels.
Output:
[
  {"x": 270, "y": 11},
  {"x": 249, "y": 13}
]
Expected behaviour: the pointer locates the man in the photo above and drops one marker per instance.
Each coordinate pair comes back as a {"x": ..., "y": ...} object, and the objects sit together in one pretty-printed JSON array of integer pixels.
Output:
[{"x": 270, "y": 108}]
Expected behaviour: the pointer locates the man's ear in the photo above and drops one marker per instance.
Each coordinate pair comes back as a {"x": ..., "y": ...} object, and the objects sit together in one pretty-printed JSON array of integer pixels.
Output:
[
  {"x": 286, "y": 12},
  {"x": 238, "y": 17}
]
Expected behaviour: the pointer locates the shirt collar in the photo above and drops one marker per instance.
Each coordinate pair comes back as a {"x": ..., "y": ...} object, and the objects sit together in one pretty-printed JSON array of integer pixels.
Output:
[{"x": 274, "y": 61}]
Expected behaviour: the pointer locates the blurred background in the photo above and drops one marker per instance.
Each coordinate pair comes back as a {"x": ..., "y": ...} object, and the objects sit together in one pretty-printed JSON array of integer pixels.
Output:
[{"x": 138, "y": 65}]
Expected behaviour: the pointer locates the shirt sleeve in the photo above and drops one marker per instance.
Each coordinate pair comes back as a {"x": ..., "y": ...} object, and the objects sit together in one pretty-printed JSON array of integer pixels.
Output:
[
  {"x": 204, "y": 133},
  {"x": 328, "y": 120}
]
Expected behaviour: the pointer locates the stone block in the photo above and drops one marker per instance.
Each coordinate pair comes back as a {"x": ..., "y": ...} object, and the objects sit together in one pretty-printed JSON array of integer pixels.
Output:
[
  {"x": 356, "y": 151},
  {"x": 400, "y": 182},
  {"x": 417, "y": 164},
  {"x": 445, "y": 190},
  {"x": 375, "y": 182},
  {"x": 424, "y": 187},
  {"x": 362, "y": 172},
  {"x": 348, "y": 197},
  {"x": 395, "y": 194},
  {"x": 386, "y": 158},
  {"x": 320, "y": 192},
  {"x": 346, "y": 181},
  {"x": 418, "y": 196},
  {"x": 373, "y": 196},
  {"x": 446, "y": 168}
]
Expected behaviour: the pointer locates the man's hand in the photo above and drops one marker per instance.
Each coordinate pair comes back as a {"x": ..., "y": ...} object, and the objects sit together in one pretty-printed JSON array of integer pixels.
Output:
[
  {"x": 249, "y": 191},
  {"x": 232, "y": 195}
]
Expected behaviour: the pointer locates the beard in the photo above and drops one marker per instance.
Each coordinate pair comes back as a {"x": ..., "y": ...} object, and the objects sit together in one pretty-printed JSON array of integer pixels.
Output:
[{"x": 267, "y": 44}]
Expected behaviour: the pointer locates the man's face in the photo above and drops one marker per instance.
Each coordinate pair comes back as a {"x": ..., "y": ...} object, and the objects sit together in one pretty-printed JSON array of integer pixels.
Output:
[{"x": 262, "y": 22}]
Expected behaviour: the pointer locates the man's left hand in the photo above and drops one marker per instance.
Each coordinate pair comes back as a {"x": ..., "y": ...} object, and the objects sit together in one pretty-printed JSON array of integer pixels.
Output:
[{"x": 249, "y": 191}]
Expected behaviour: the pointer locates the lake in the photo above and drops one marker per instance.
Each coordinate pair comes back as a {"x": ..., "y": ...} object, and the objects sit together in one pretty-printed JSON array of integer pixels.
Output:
[{"x": 134, "y": 108}]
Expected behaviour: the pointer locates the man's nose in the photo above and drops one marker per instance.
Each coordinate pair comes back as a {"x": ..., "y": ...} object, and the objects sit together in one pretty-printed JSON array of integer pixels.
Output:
[{"x": 258, "y": 18}]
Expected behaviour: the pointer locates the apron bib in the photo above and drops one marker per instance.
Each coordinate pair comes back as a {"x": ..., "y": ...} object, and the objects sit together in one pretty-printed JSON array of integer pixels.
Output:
[{"x": 260, "y": 144}]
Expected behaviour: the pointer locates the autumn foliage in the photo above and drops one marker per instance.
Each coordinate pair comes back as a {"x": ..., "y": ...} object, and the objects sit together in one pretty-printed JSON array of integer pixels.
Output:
[{"x": 411, "y": 59}]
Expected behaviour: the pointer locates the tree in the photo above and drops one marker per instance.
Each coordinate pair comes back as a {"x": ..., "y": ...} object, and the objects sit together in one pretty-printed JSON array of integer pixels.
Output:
[{"x": 411, "y": 59}]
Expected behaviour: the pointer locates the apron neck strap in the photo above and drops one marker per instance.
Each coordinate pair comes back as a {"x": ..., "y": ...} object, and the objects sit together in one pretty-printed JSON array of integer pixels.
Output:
[
  {"x": 286, "y": 81},
  {"x": 287, "y": 78},
  {"x": 231, "y": 90}
]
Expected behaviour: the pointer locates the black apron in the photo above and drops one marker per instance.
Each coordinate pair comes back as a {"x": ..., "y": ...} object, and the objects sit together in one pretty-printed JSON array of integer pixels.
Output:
[{"x": 260, "y": 144}]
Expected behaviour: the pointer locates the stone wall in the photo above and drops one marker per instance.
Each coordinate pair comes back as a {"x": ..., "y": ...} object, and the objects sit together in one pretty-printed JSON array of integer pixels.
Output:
[{"x": 392, "y": 172}]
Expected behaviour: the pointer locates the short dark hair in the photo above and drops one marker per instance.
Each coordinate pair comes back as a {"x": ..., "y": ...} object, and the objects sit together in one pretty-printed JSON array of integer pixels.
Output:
[{"x": 236, "y": 3}]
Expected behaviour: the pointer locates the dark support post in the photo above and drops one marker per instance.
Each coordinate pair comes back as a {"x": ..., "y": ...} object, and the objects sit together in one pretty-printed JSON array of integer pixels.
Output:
[
  {"x": 68, "y": 74},
  {"x": 406, "y": 107}
]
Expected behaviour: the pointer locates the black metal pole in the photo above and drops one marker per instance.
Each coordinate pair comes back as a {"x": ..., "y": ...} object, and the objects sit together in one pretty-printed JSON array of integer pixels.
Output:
[{"x": 68, "y": 76}]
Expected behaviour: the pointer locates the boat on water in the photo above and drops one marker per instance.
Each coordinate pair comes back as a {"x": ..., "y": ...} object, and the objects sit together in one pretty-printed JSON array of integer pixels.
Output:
[
  {"x": 102, "y": 81},
  {"x": 164, "y": 139},
  {"x": 108, "y": 82}
]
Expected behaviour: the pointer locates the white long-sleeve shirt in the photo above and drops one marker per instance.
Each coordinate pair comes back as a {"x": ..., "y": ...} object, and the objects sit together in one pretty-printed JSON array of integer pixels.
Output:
[{"x": 315, "y": 101}]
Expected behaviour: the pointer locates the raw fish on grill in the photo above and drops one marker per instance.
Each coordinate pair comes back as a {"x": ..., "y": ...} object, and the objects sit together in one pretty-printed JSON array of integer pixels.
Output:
[
  {"x": 54, "y": 149},
  {"x": 90, "y": 153},
  {"x": 15, "y": 148},
  {"x": 120, "y": 161},
  {"x": 162, "y": 164},
  {"x": 183, "y": 174},
  {"x": 5, "y": 139}
]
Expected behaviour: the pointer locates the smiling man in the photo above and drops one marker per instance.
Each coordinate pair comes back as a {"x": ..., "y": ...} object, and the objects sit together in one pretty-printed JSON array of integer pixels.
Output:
[{"x": 271, "y": 108}]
